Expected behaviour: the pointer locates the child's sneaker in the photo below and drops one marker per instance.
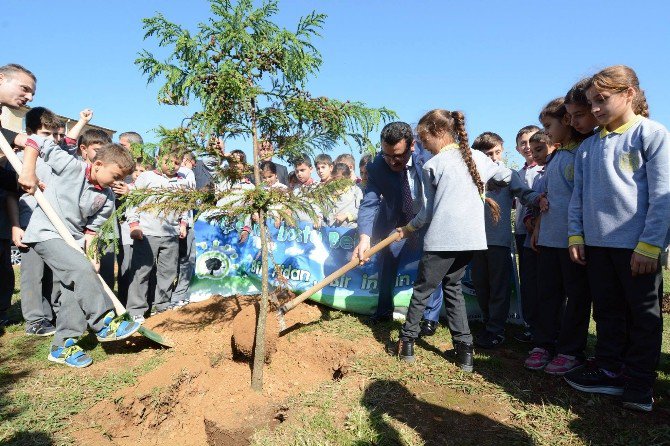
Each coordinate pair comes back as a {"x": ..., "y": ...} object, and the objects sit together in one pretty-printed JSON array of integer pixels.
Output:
[
  {"x": 525, "y": 336},
  {"x": 41, "y": 328},
  {"x": 596, "y": 380},
  {"x": 538, "y": 359},
  {"x": 563, "y": 364},
  {"x": 637, "y": 398},
  {"x": 489, "y": 340},
  {"x": 69, "y": 354},
  {"x": 138, "y": 318},
  {"x": 116, "y": 328}
]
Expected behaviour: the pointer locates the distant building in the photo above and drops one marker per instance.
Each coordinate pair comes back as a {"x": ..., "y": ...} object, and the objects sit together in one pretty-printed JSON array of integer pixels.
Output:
[{"x": 13, "y": 119}]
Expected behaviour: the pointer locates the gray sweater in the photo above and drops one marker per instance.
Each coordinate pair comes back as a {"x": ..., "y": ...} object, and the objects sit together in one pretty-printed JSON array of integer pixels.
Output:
[
  {"x": 82, "y": 205},
  {"x": 622, "y": 187},
  {"x": 500, "y": 233},
  {"x": 527, "y": 174},
  {"x": 347, "y": 203},
  {"x": 558, "y": 184},
  {"x": 452, "y": 204}
]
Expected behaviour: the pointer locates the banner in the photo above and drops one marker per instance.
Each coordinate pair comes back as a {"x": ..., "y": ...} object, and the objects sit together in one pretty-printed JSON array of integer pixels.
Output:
[{"x": 302, "y": 256}]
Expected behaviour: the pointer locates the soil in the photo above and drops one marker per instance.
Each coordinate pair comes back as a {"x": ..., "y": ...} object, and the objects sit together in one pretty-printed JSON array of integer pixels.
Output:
[
  {"x": 200, "y": 395},
  {"x": 665, "y": 303},
  {"x": 244, "y": 333}
]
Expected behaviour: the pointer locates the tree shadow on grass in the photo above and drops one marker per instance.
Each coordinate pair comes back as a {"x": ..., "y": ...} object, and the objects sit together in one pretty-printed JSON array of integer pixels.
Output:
[
  {"x": 30, "y": 438},
  {"x": 435, "y": 424}
]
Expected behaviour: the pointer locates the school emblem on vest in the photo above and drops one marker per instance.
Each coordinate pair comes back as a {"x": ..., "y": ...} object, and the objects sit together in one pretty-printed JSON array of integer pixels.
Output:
[
  {"x": 629, "y": 161},
  {"x": 569, "y": 172},
  {"x": 97, "y": 203}
]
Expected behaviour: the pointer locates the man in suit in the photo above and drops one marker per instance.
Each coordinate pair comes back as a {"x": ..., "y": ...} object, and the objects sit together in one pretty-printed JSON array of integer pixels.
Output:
[{"x": 393, "y": 196}]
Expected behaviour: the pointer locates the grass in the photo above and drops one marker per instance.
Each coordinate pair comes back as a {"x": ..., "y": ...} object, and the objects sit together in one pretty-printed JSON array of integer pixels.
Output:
[
  {"x": 380, "y": 401},
  {"x": 37, "y": 398},
  {"x": 385, "y": 402}
]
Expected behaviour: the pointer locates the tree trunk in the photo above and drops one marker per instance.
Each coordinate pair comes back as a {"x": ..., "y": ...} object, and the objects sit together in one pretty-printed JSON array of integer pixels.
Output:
[{"x": 259, "y": 348}]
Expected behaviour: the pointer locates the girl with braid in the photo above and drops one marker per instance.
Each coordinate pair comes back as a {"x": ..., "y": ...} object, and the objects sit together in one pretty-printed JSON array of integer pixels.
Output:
[{"x": 454, "y": 197}]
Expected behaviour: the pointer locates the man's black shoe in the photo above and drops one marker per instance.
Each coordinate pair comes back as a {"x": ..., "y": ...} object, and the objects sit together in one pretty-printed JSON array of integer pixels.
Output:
[
  {"x": 595, "y": 380},
  {"x": 462, "y": 354},
  {"x": 379, "y": 318},
  {"x": 428, "y": 327},
  {"x": 524, "y": 336}
]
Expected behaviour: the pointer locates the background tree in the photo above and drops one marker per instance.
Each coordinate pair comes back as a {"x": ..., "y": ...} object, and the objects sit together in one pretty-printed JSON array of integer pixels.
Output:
[{"x": 248, "y": 75}]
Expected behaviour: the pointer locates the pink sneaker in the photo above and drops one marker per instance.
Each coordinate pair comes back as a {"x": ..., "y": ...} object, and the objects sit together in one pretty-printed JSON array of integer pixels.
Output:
[
  {"x": 537, "y": 360},
  {"x": 563, "y": 364}
]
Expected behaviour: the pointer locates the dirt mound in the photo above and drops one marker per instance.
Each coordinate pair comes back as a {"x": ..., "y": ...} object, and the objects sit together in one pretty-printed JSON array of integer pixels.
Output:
[
  {"x": 244, "y": 333},
  {"x": 200, "y": 395}
]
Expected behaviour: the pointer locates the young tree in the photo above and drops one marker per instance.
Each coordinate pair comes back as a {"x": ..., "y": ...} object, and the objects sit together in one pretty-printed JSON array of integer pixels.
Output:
[{"x": 248, "y": 75}]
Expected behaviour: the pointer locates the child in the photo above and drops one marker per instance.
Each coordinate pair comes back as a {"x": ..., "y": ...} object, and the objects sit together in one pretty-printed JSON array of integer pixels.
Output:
[
  {"x": 156, "y": 241},
  {"x": 618, "y": 225},
  {"x": 349, "y": 160},
  {"x": 563, "y": 310},
  {"x": 492, "y": 269},
  {"x": 90, "y": 141},
  {"x": 81, "y": 196},
  {"x": 39, "y": 288},
  {"x": 324, "y": 167},
  {"x": 527, "y": 174},
  {"x": 269, "y": 175},
  {"x": 303, "y": 171},
  {"x": 541, "y": 149},
  {"x": 345, "y": 209},
  {"x": 454, "y": 171},
  {"x": 186, "y": 262},
  {"x": 363, "y": 169}
]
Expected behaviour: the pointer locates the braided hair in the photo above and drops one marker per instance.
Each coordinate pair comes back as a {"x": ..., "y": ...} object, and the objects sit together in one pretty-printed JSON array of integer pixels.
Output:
[{"x": 451, "y": 125}]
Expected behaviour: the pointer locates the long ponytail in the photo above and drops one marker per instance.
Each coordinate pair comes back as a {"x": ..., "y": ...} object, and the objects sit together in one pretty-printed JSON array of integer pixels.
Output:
[{"x": 466, "y": 154}]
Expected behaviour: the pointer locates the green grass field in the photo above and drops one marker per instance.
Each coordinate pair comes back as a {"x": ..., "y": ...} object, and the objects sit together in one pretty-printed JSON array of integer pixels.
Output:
[{"x": 381, "y": 401}]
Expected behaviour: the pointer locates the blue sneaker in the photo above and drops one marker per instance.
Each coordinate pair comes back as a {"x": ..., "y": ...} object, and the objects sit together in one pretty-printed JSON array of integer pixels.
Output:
[
  {"x": 116, "y": 328},
  {"x": 69, "y": 354}
]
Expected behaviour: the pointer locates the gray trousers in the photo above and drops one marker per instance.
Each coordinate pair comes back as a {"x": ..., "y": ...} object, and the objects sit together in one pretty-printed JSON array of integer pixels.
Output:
[
  {"x": 7, "y": 274},
  {"x": 40, "y": 290},
  {"x": 83, "y": 300},
  {"x": 186, "y": 266},
  {"x": 435, "y": 268},
  {"x": 153, "y": 255},
  {"x": 491, "y": 273}
]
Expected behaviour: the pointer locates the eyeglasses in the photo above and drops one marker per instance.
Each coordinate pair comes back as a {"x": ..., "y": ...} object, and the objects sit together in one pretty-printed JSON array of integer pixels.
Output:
[{"x": 400, "y": 157}]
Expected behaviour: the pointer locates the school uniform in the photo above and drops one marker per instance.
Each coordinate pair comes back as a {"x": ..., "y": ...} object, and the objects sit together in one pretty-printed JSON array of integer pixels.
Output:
[
  {"x": 347, "y": 203},
  {"x": 564, "y": 302},
  {"x": 83, "y": 207},
  {"x": 445, "y": 258},
  {"x": 40, "y": 290},
  {"x": 620, "y": 205},
  {"x": 492, "y": 269},
  {"x": 157, "y": 254},
  {"x": 186, "y": 263}
]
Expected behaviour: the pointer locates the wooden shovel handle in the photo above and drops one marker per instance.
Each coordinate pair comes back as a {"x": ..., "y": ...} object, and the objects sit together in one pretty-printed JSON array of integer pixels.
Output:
[
  {"x": 54, "y": 218},
  {"x": 353, "y": 263}
]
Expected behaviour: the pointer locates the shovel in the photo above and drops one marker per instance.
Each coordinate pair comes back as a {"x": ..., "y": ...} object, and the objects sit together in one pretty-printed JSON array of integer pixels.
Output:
[
  {"x": 353, "y": 263},
  {"x": 67, "y": 237}
]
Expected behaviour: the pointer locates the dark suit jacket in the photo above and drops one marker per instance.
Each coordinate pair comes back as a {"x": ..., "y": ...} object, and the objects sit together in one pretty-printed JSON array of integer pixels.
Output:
[{"x": 381, "y": 207}]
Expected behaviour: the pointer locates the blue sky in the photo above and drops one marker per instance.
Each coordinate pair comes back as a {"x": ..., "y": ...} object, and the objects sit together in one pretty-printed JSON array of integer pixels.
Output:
[{"x": 499, "y": 62}]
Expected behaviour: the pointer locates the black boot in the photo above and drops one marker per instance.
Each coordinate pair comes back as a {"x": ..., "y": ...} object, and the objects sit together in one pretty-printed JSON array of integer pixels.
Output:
[
  {"x": 462, "y": 355},
  {"x": 406, "y": 350},
  {"x": 428, "y": 327}
]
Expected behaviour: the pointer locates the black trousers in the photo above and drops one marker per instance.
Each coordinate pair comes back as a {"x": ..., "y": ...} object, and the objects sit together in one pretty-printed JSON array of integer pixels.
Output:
[
  {"x": 627, "y": 313},
  {"x": 528, "y": 285},
  {"x": 435, "y": 268},
  {"x": 491, "y": 271},
  {"x": 564, "y": 304}
]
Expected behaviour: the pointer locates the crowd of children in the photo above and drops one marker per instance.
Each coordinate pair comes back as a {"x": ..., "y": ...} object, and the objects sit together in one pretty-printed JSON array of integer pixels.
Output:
[{"x": 591, "y": 210}]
